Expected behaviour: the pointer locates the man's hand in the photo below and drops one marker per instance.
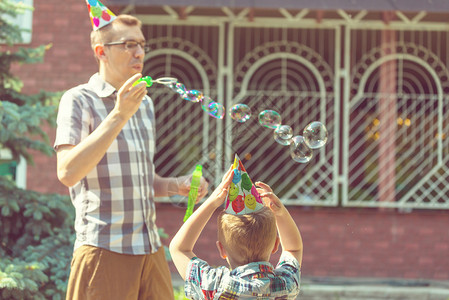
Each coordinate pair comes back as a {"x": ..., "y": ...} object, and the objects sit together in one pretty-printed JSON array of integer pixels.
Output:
[
  {"x": 129, "y": 97},
  {"x": 75, "y": 162},
  {"x": 183, "y": 183}
]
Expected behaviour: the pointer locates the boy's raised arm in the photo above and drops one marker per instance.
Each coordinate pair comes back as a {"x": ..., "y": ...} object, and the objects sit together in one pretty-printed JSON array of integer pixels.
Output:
[
  {"x": 181, "y": 246},
  {"x": 289, "y": 234}
]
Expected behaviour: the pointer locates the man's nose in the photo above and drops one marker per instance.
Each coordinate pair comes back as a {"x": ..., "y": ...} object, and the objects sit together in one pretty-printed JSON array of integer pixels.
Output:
[{"x": 140, "y": 52}]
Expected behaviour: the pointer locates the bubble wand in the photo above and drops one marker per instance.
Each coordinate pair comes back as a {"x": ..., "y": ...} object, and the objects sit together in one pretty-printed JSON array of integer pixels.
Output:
[
  {"x": 193, "y": 193},
  {"x": 149, "y": 81}
]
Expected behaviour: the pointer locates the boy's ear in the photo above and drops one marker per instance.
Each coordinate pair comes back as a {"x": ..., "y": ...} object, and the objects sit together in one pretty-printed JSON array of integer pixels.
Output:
[
  {"x": 221, "y": 249},
  {"x": 276, "y": 246},
  {"x": 99, "y": 52}
]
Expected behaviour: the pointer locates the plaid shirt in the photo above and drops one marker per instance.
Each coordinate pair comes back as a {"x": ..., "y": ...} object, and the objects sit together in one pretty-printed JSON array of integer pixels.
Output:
[
  {"x": 256, "y": 280},
  {"x": 114, "y": 202}
]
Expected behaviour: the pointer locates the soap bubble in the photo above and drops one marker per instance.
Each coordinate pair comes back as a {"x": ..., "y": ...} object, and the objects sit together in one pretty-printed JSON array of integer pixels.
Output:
[
  {"x": 283, "y": 135},
  {"x": 207, "y": 104},
  {"x": 270, "y": 119},
  {"x": 315, "y": 135},
  {"x": 179, "y": 88},
  {"x": 213, "y": 108},
  {"x": 240, "y": 112},
  {"x": 217, "y": 111},
  {"x": 193, "y": 96},
  {"x": 299, "y": 151}
]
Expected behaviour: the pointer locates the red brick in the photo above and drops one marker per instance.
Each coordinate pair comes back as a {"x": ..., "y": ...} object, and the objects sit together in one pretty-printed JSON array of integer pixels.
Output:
[
  {"x": 412, "y": 247},
  {"x": 352, "y": 244},
  {"x": 441, "y": 275},
  {"x": 366, "y": 260},
  {"x": 395, "y": 260},
  {"x": 425, "y": 260},
  {"x": 426, "y": 231},
  {"x": 441, "y": 247},
  {"x": 411, "y": 274},
  {"x": 368, "y": 230},
  {"x": 380, "y": 274},
  {"x": 382, "y": 244},
  {"x": 337, "y": 259}
]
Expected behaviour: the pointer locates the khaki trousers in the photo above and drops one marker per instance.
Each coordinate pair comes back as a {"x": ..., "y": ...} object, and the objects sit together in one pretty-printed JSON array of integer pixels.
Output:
[{"x": 98, "y": 274}]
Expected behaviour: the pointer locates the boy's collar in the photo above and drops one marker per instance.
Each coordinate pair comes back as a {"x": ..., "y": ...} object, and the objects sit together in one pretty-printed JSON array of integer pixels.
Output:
[{"x": 253, "y": 268}]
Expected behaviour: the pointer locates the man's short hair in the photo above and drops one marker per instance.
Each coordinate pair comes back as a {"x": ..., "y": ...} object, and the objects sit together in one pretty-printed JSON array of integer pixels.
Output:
[
  {"x": 104, "y": 34},
  {"x": 248, "y": 238}
]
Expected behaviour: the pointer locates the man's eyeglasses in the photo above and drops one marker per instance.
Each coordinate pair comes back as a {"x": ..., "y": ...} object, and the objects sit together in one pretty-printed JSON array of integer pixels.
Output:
[{"x": 131, "y": 45}]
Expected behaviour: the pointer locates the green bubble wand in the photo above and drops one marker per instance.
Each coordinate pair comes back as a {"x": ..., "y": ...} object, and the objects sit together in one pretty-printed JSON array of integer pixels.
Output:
[
  {"x": 193, "y": 193},
  {"x": 149, "y": 81}
]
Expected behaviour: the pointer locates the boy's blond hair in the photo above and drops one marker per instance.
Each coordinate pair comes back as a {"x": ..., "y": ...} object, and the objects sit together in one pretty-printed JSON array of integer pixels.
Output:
[
  {"x": 248, "y": 238},
  {"x": 105, "y": 34}
]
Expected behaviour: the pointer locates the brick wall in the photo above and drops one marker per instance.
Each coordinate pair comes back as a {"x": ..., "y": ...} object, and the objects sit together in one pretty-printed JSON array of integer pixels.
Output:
[
  {"x": 337, "y": 242},
  {"x": 69, "y": 62}
]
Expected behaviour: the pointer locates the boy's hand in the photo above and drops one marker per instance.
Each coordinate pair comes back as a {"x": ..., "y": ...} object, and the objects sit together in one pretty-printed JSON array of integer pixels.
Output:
[
  {"x": 269, "y": 198},
  {"x": 289, "y": 234},
  {"x": 181, "y": 246},
  {"x": 219, "y": 195}
]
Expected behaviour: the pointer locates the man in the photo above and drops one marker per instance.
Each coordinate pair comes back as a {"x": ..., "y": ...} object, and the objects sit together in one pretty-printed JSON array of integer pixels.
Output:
[{"x": 105, "y": 144}]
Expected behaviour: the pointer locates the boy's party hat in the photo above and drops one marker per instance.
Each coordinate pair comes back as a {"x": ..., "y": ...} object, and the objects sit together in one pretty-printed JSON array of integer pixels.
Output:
[
  {"x": 243, "y": 197},
  {"x": 100, "y": 15}
]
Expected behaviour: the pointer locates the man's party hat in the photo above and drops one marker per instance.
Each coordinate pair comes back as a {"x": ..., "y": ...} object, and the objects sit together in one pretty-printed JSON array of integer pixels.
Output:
[
  {"x": 100, "y": 15},
  {"x": 243, "y": 197}
]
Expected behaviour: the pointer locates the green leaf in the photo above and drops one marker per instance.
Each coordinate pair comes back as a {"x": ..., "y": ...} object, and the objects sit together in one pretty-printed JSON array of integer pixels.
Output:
[
  {"x": 30, "y": 284},
  {"x": 6, "y": 211},
  {"x": 11, "y": 109},
  {"x": 14, "y": 206},
  {"x": 9, "y": 283},
  {"x": 56, "y": 297},
  {"x": 37, "y": 215}
]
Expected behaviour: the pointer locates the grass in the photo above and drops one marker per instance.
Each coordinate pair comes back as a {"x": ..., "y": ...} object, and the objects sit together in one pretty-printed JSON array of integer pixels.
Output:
[{"x": 179, "y": 294}]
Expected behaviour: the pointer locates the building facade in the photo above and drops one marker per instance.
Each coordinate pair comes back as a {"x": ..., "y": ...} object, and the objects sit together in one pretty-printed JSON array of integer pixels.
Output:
[{"x": 373, "y": 202}]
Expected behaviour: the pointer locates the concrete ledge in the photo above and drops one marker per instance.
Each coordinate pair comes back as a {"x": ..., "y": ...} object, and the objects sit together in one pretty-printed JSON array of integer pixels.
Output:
[{"x": 312, "y": 292}]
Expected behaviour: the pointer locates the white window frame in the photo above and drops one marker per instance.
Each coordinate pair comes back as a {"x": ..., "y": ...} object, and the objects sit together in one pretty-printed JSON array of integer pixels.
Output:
[
  {"x": 24, "y": 21},
  {"x": 21, "y": 168}
]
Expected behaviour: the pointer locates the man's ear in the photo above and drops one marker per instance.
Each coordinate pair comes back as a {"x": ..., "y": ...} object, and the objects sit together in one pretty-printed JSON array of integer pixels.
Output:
[
  {"x": 276, "y": 246},
  {"x": 99, "y": 52},
  {"x": 221, "y": 249}
]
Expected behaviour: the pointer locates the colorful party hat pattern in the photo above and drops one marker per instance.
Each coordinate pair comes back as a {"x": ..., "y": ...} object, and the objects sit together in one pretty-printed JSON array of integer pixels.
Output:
[
  {"x": 100, "y": 15},
  {"x": 243, "y": 197}
]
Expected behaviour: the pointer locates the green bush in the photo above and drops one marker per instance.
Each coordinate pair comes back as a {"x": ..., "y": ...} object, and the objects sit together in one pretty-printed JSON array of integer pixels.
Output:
[
  {"x": 35, "y": 229},
  {"x": 36, "y": 243}
]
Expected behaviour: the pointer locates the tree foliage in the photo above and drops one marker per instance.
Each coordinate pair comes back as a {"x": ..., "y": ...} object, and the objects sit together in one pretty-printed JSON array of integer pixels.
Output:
[
  {"x": 21, "y": 115},
  {"x": 36, "y": 235}
]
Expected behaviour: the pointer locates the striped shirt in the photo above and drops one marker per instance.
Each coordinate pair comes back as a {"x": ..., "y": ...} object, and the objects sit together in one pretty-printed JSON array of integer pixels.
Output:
[
  {"x": 114, "y": 202},
  {"x": 257, "y": 280}
]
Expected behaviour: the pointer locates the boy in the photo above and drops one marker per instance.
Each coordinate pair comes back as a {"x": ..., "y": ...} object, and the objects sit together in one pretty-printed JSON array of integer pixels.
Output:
[{"x": 246, "y": 241}]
